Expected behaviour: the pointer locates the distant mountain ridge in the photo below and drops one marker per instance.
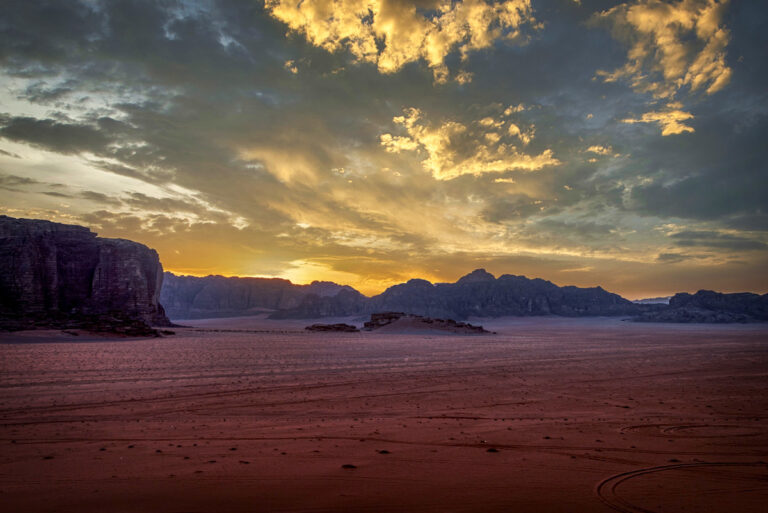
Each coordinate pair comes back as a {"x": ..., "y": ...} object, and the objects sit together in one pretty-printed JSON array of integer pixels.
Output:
[
  {"x": 710, "y": 307},
  {"x": 193, "y": 297},
  {"x": 479, "y": 294}
]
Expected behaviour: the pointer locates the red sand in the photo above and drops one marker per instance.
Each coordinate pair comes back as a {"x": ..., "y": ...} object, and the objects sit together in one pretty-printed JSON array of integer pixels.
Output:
[{"x": 584, "y": 415}]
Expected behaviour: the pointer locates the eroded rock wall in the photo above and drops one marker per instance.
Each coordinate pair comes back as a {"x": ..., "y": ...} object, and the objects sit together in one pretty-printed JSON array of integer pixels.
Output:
[{"x": 58, "y": 271}]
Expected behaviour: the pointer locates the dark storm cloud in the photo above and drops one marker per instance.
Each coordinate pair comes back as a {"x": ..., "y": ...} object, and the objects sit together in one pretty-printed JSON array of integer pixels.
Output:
[
  {"x": 52, "y": 135},
  {"x": 717, "y": 172},
  {"x": 38, "y": 92},
  {"x": 44, "y": 32}
]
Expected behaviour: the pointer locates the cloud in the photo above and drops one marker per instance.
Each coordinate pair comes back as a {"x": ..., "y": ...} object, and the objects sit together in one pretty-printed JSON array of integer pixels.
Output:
[
  {"x": 451, "y": 149},
  {"x": 671, "y": 258},
  {"x": 53, "y": 135},
  {"x": 600, "y": 149},
  {"x": 672, "y": 45},
  {"x": 99, "y": 197},
  {"x": 393, "y": 33},
  {"x": 9, "y": 154},
  {"x": 717, "y": 240},
  {"x": 512, "y": 207},
  {"x": 14, "y": 182},
  {"x": 671, "y": 120}
]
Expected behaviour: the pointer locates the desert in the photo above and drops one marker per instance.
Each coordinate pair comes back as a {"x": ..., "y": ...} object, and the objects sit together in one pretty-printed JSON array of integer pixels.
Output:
[
  {"x": 345, "y": 256},
  {"x": 252, "y": 414}
]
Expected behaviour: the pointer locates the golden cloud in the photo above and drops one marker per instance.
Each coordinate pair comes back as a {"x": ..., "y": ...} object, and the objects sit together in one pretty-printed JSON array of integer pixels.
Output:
[
  {"x": 672, "y": 45},
  {"x": 453, "y": 149},
  {"x": 600, "y": 150},
  {"x": 671, "y": 119},
  {"x": 392, "y": 33}
]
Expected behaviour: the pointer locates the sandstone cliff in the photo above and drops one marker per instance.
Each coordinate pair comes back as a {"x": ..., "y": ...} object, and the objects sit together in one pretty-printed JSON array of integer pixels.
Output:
[{"x": 52, "y": 273}]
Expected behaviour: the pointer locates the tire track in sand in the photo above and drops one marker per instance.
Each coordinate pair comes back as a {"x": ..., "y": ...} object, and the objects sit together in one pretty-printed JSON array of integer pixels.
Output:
[{"x": 606, "y": 489}]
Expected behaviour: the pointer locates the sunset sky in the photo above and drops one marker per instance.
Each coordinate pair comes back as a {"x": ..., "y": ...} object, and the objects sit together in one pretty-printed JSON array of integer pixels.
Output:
[{"x": 621, "y": 144}]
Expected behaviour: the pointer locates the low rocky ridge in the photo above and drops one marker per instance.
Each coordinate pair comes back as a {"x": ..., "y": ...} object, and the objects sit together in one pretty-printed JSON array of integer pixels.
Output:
[
  {"x": 710, "y": 307},
  {"x": 399, "y": 321},
  {"x": 63, "y": 276},
  {"x": 191, "y": 297},
  {"x": 338, "y": 327}
]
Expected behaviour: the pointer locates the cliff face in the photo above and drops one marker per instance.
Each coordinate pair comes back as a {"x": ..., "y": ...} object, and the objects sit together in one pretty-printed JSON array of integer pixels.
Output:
[
  {"x": 58, "y": 271},
  {"x": 191, "y": 297}
]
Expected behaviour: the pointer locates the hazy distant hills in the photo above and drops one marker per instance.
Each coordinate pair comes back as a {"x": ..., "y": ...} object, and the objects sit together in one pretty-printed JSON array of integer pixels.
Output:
[
  {"x": 191, "y": 297},
  {"x": 710, "y": 307},
  {"x": 478, "y": 294}
]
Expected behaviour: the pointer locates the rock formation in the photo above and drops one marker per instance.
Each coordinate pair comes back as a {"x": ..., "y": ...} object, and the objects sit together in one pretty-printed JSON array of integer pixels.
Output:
[
  {"x": 711, "y": 307},
  {"x": 64, "y": 275},
  {"x": 191, "y": 297},
  {"x": 339, "y": 327},
  {"x": 402, "y": 322}
]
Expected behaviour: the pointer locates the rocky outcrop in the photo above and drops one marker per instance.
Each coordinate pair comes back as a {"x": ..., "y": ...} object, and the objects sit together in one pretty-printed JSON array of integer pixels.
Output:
[
  {"x": 54, "y": 274},
  {"x": 402, "y": 322},
  {"x": 191, "y": 297},
  {"x": 711, "y": 307},
  {"x": 338, "y": 328}
]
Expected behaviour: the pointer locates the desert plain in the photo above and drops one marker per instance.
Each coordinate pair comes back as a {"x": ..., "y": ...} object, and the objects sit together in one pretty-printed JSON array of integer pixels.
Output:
[{"x": 249, "y": 415}]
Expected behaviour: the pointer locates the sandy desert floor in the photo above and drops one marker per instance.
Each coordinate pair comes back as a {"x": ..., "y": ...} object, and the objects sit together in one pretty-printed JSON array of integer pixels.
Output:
[{"x": 237, "y": 415}]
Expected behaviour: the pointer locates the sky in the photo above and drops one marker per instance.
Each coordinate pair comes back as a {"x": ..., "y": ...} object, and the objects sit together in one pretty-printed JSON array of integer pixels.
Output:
[{"x": 367, "y": 142}]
